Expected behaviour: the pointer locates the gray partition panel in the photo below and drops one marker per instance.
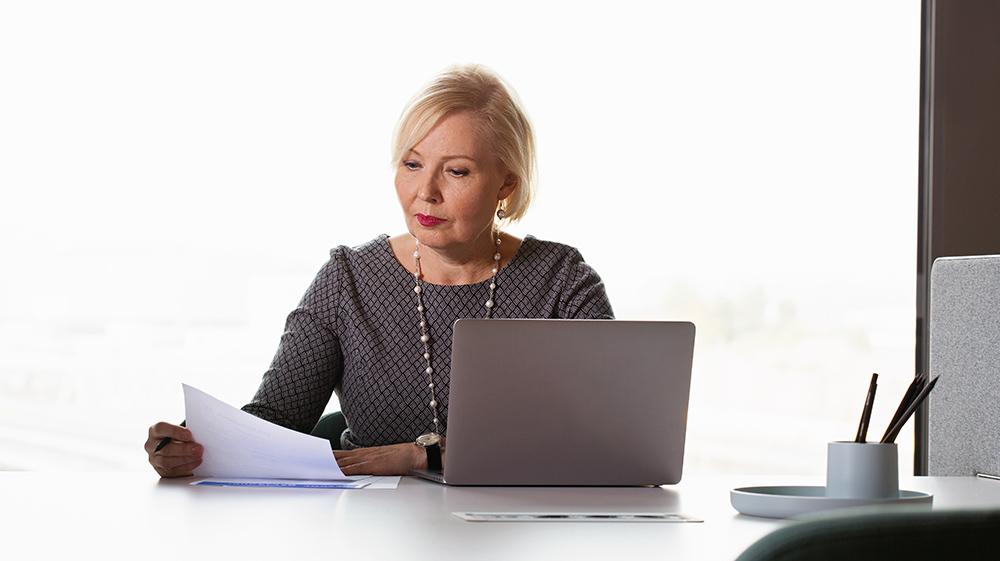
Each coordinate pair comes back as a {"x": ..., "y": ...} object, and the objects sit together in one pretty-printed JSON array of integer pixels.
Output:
[{"x": 964, "y": 417}]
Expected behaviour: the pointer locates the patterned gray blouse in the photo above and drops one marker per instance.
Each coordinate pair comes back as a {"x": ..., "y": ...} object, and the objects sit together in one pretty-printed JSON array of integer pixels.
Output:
[{"x": 356, "y": 332}]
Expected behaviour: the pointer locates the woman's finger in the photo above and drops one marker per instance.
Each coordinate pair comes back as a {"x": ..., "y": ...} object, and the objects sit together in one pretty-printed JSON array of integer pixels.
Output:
[
  {"x": 168, "y": 462},
  {"x": 348, "y": 461},
  {"x": 164, "y": 430},
  {"x": 348, "y": 455},
  {"x": 180, "y": 449},
  {"x": 355, "y": 469},
  {"x": 182, "y": 470},
  {"x": 353, "y": 452},
  {"x": 355, "y": 459}
]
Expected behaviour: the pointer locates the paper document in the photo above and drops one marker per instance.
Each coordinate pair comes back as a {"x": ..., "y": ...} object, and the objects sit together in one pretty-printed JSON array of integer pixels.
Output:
[
  {"x": 575, "y": 517},
  {"x": 239, "y": 445},
  {"x": 382, "y": 482},
  {"x": 356, "y": 482},
  {"x": 292, "y": 483}
]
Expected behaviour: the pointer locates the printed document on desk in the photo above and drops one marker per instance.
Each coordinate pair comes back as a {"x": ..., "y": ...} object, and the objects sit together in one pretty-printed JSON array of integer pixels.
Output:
[
  {"x": 355, "y": 482},
  {"x": 240, "y": 445},
  {"x": 281, "y": 483}
]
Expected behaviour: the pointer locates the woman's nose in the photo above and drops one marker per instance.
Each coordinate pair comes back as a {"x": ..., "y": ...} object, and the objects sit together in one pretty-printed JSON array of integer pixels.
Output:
[{"x": 429, "y": 190}]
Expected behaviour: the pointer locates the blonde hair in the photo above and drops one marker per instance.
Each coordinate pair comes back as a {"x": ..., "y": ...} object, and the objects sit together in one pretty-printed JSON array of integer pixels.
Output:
[{"x": 473, "y": 87}]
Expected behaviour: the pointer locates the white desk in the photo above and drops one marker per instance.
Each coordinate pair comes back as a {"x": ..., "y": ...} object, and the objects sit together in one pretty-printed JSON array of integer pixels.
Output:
[{"x": 137, "y": 516}]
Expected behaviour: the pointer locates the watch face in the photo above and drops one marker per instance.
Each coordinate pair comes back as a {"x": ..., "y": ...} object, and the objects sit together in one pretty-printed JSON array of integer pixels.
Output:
[{"x": 429, "y": 439}]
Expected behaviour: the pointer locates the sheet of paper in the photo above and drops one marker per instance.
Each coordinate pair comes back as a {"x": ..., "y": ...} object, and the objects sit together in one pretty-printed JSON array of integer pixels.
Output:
[
  {"x": 293, "y": 483},
  {"x": 575, "y": 517},
  {"x": 353, "y": 482},
  {"x": 382, "y": 482},
  {"x": 240, "y": 445}
]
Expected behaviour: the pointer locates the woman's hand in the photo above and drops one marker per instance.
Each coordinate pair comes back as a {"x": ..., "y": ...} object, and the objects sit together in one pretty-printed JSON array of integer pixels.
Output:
[
  {"x": 394, "y": 459},
  {"x": 177, "y": 459}
]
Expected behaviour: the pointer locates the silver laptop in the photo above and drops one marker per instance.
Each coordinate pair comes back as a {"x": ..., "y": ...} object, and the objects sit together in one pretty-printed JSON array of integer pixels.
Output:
[{"x": 567, "y": 402}]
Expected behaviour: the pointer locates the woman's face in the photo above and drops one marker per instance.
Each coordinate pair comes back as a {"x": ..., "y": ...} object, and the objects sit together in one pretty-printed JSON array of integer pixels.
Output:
[{"x": 449, "y": 184}]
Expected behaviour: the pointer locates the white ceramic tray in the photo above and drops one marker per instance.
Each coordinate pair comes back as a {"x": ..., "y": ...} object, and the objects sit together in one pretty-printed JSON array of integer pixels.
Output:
[{"x": 788, "y": 501}]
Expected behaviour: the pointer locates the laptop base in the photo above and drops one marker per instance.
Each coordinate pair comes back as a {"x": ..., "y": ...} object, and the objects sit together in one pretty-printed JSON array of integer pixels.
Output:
[{"x": 437, "y": 476}]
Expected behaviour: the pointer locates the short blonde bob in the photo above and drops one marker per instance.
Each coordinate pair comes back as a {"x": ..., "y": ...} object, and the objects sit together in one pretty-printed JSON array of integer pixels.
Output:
[{"x": 473, "y": 87}]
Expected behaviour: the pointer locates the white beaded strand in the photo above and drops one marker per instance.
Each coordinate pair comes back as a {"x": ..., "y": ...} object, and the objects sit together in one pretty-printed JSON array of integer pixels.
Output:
[{"x": 425, "y": 335}]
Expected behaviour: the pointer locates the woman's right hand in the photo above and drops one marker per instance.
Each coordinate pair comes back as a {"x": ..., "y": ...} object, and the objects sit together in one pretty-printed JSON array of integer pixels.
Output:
[{"x": 177, "y": 459}]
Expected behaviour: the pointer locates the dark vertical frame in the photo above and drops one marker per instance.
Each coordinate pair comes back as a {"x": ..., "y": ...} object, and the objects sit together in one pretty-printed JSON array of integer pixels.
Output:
[
  {"x": 959, "y": 172},
  {"x": 924, "y": 219}
]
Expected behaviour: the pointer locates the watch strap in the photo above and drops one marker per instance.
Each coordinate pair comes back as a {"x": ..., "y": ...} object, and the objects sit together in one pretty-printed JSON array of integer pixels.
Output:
[{"x": 433, "y": 457}]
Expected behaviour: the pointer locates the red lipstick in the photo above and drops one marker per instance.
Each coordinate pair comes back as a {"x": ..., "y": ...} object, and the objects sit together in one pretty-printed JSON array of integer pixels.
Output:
[{"x": 426, "y": 220}]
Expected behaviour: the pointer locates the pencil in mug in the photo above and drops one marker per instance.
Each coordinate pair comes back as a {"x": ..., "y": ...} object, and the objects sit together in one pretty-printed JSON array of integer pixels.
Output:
[
  {"x": 911, "y": 392},
  {"x": 866, "y": 412},
  {"x": 890, "y": 435}
]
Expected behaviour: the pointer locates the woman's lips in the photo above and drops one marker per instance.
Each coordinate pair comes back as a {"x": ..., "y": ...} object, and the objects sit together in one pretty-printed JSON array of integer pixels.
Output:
[{"x": 426, "y": 220}]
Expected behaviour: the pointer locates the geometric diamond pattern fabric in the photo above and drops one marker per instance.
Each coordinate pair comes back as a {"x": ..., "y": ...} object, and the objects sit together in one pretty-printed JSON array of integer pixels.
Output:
[{"x": 355, "y": 332}]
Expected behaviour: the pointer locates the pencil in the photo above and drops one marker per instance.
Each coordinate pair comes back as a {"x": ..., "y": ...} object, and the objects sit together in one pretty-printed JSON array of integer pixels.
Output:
[
  {"x": 911, "y": 392},
  {"x": 894, "y": 430},
  {"x": 866, "y": 413}
]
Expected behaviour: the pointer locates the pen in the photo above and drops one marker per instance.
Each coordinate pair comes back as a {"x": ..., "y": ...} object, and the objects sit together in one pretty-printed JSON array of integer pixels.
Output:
[
  {"x": 866, "y": 413},
  {"x": 166, "y": 440},
  {"x": 915, "y": 386},
  {"x": 890, "y": 435}
]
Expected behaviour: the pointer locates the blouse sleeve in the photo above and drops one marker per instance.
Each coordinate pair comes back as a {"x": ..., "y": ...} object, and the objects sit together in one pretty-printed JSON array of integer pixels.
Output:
[
  {"x": 308, "y": 363},
  {"x": 582, "y": 295}
]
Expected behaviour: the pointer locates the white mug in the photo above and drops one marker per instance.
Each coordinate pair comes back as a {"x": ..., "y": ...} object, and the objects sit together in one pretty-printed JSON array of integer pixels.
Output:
[{"x": 862, "y": 470}]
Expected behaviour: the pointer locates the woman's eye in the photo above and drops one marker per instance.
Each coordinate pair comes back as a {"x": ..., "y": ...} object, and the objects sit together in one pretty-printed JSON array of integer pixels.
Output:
[
  {"x": 411, "y": 165},
  {"x": 459, "y": 172}
]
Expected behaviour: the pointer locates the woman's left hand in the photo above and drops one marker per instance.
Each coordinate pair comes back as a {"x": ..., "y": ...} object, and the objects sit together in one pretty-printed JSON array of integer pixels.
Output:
[{"x": 394, "y": 459}]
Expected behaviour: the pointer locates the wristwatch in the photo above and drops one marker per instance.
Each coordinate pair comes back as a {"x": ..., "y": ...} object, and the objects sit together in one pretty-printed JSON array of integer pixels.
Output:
[{"x": 431, "y": 443}]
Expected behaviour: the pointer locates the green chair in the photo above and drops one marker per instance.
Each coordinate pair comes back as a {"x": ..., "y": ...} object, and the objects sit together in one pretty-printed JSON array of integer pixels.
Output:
[
  {"x": 885, "y": 535},
  {"x": 330, "y": 427}
]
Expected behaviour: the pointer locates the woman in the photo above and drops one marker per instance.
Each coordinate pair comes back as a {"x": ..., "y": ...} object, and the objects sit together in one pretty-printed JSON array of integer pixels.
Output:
[{"x": 375, "y": 325}]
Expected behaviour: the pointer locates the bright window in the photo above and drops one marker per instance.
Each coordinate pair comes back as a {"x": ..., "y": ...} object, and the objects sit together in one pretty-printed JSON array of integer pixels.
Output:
[{"x": 173, "y": 176}]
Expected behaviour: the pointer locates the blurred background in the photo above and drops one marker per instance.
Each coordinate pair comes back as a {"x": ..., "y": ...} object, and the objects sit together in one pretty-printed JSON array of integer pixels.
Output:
[{"x": 172, "y": 176}]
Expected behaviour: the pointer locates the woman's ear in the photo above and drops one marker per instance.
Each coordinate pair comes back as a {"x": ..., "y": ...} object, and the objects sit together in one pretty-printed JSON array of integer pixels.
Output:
[{"x": 510, "y": 183}]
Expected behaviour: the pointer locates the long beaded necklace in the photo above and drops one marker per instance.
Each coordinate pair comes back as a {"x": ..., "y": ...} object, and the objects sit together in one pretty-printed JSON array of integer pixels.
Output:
[{"x": 425, "y": 337}]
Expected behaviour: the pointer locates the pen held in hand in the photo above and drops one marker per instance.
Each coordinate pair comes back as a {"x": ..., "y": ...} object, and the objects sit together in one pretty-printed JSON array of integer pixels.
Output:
[
  {"x": 166, "y": 440},
  {"x": 162, "y": 444},
  {"x": 890, "y": 435},
  {"x": 866, "y": 413}
]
